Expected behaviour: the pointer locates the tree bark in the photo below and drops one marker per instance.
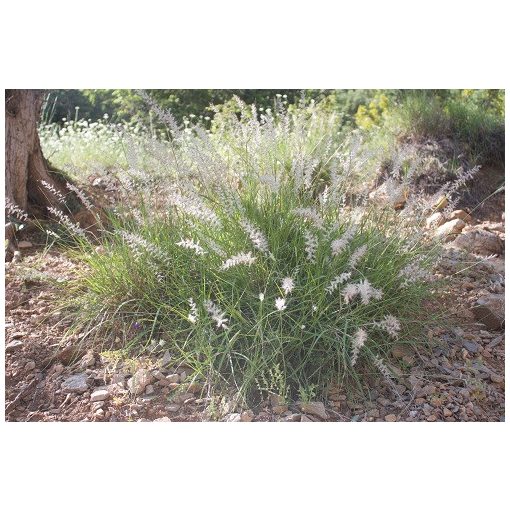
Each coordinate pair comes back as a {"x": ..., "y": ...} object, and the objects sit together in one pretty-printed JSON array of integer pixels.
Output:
[{"x": 25, "y": 165}]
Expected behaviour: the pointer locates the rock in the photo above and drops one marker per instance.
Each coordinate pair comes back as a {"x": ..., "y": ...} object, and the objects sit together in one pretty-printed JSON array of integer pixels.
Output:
[
  {"x": 432, "y": 417},
  {"x": 77, "y": 383},
  {"x": 13, "y": 346},
  {"x": 490, "y": 310},
  {"x": 23, "y": 245},
  {"x": 390, "y": 417},
  {"x": 173, "y": 408},
  {"x": 149, "y": 390},
  {"x": 16, "y": 257},
  {"x": 233, "y": 417},
  {"x": 30, "y": 366},
  {"x": 280, "y": 409},
  {"x": 472, "y": 347},
  {"x": 194, "y": 387},
  {"x": 183, "y": 397},
  {"x": 98, "y": 181},
  {"x": 99, "y": 395},
  {"x": 100, "y": 250},
  {"x": 247, "y": 416},
  {"x": 447, "y": 412},
  {"x": 88, "y": 360},
  {"x": 166, "y": 359},
  {"x": 140, "y": 381},
  {"x": 450, "y": 230},
  {"x": 292, "y": 417},
  {"x": 119, "y": 380},
  {"x": 373, "y": 413},
  {"x": 157, "y": 374},
  {"x": 435, "y": 220},
  {"x": 305, "y": 418},
  {"x": 164, "y": 418},
  {"x": 314, "y": 408},
  {"x": 99, "y": 413},
  {"x": 480, "y": 241},
  {"x": 173, "y": 378},
  {"x": 460, "y": 214},
  {"x": 495, "y": 378}
]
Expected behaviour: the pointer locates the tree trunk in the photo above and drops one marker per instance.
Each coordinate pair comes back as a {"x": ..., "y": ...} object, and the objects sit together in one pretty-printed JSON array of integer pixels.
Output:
[{"x": 25, "y": 165}]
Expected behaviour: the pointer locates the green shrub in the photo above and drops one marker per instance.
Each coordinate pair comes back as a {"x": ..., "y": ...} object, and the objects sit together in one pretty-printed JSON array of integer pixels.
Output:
[{"x": 243, "y": 261}]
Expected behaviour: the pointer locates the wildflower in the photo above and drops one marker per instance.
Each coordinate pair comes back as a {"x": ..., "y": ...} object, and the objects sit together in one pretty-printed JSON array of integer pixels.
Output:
[
  {"x": 84, "y": 199},
  {"x": 256, "y": 236},
  {"x": 216, "y": 314},
  {"x": 57, "y": 194},
  {"x": 412, "y": 273},
  {"x": 359, "y": 339},
  {"x": 138, "y": 243},
  {"x": 367, "y": 291},
  {"x": 137, "y": 325},
  {"x": 190, "y": 244},
  {"x": 364, "y": 289},
  {"x": 261, "y": 296},
  {"x": 194, "y": 207},
  {"x": 288, "y": 285},
  {"x": 339, "y": 245},
  {"x": 357, "y": 255},
  {"x": 314, "y": 308},
  {"x": 73, "y": 227},
  {"x": 310, "y": 214},
  {"x": 192, "y": 316},
  {"x": 311, "y": 242},
  {"x": 385, "y": 371},
  {"x": 280, "y": 304},
  {"x": 14, "y": 210},
  {"x": 349, "y": 292},
  {"x": 390, "y": 324},
  {"x": 335, "y": 282},
  {"x": 240, "y": 258},
  {"x": 270, "y": 181}
]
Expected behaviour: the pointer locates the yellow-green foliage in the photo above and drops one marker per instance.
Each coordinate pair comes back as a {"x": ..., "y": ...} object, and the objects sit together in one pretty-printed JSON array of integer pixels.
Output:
[{"x": 368, "y": 117}]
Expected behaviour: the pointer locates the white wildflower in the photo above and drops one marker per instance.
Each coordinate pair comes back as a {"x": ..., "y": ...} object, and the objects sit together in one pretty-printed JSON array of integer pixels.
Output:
[
  {"x": 311, "y": 243},
  {"x": 357, "y": 255},
  {"x": 139, "y": 245},
  {"x": 314, "y": 308},
  {"x": 57, "y": 194},
  {"x": 240, "y": 258},
  {"x": 385, "y": 371},
  {"x": 194, "y": 207},
  {"x": 216, "y": 314},
  {"x": 367, "y": 292},
  {"x": 311, "y": 215},
  {"x": 339, "y": 245},
  {"x": 270, "y": 181},
  {"x": 84, "y": 199},
  {"x": 359, "y": 339},
  {"x": 280, "y": 304},
  {"x": 412, "y": 273},
  {"x": 288, "y": 285},
  {"x": 364, "y": 289},
  {"x": 14, "y": 210},
  {"x": 335, "y": 282},
  {"x": 256, "y": 236},
  {"x": 65, "y": 220},
  {"x": 192, "y": 316},
  {"x": 261, "y": 296},
  {"x": 191, "y": 245},
  {"x": 390, "y": 324}
]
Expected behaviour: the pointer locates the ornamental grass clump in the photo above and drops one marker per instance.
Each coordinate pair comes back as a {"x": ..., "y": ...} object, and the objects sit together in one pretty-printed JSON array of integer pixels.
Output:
[{"x": 241, "y": 279}]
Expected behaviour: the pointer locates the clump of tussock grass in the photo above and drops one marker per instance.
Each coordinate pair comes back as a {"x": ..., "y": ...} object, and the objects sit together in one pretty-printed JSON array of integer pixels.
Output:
[{"x": 245, "y": 263}]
